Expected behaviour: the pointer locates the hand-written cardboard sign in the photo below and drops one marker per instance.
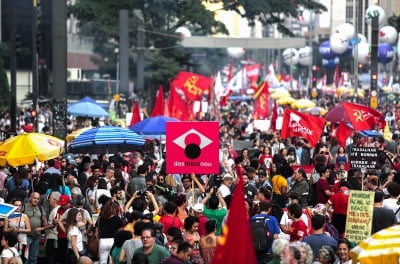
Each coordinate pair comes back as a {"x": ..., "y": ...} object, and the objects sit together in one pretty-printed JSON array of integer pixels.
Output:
[
  {"x": 363, "y": 157},
  {"x": 359, "y": 215}
]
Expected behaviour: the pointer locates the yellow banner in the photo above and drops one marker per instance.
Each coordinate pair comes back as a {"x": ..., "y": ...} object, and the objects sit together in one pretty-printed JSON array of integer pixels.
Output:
[{"x": 359, "y": 215}]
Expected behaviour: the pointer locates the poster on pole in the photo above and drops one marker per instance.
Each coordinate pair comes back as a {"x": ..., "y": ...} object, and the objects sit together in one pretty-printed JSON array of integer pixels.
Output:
[
  {"x": 359, "y": 215},
  {"x": 363, "y": 157},
  {"x": 193, "y": 147}
]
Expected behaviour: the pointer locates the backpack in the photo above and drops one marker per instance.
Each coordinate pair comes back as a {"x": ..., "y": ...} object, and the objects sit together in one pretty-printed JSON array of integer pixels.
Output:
[{"x": 262, "y": 237}]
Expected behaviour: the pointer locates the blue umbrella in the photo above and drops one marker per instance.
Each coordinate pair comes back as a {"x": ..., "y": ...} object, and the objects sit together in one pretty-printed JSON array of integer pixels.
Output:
[
  {"x": 87, "y": 107},
  {"x": 153, "y": 127},
  {"x": 106, "y": 139}
]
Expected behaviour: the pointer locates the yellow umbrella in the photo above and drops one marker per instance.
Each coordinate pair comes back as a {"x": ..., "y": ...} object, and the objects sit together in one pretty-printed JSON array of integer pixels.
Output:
[
  {"x": 76, "y": 133},
  {"x": 341, "y": 90},
  {"x": 285, "y": 100},
  {"x": 360, "y": 93},
  {"x": 317, "y": 110},
  {"x": 382, "y": 247},
  {"x": 280, "y": 94},
  {"x": 302, "y": 104},
  {"x": 387, "y": 89},
  {"x": 26, "y": 148}
]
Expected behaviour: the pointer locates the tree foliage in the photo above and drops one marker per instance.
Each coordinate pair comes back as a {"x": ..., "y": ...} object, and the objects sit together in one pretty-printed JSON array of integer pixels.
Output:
[
  {"x": 271, "y": 11},
  {"x": 159, "y": 18}
]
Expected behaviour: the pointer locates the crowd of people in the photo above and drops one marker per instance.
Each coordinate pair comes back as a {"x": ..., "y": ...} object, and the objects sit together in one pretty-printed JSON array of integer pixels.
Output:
[{"x": 142, "y": 214}]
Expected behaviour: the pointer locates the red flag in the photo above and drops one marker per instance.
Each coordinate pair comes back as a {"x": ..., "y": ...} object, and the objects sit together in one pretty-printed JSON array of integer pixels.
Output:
[
  {"x": 274, "y": 116},
  {"x": 363, "y": 117},
  {"x": 236, "y": 243},
  {"x": 343, "y": 132},
  {"x": 158, "y": 108},
  {"x": 135, "y": 114},
  {"x": 178, "y": 105},
  {"x": 261, "y": 107},
  {"x": 253, "y": 74},
  {"x": 302, "y": 125},
  {"x": 193, "y": 85}
]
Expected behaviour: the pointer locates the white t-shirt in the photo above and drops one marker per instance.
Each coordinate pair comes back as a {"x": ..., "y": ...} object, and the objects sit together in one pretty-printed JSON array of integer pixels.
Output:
[
  {"x": 9, "y": 253},
  {"x": 75, "y": 232},
  {"x": 391, "y": 203}
]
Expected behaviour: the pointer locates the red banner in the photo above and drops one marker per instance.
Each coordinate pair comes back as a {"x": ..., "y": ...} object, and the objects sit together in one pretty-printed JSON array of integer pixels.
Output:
[
  {"x": 178, "y": 105},
  {"x": 193, "y": 85},
  {"x": 159, "y": 104},
  {"x": 298, "y": 124},
  {"x": 135, "y": 114},
  {"x": 236, "y": 243},
  {"x": 261, "y": 107},
  {"x": 363, "y": 117}
]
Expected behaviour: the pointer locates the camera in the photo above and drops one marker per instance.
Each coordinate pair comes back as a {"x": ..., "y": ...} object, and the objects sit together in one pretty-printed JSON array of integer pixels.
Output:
[{"x": 141, "y": 193}]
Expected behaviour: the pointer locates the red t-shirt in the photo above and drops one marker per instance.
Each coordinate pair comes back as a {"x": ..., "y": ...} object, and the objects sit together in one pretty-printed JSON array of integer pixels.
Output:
[
  {"x": 322, "y": 186},
  {"x": 339, "y": 203},
  {"x": 170, "y": 221},
  {"x": 298, "y": 231}
]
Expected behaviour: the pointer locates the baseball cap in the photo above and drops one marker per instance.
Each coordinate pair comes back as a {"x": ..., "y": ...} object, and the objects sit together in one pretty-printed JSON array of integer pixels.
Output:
[
  {"x": 199, "y": 208},
  {"x": 64, "y": 199}
]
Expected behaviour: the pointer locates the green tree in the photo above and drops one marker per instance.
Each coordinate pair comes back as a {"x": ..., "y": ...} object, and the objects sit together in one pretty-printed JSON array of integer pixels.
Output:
[
  {"x": 271, "y": 11},
  {"x": 160, "y": 18}
]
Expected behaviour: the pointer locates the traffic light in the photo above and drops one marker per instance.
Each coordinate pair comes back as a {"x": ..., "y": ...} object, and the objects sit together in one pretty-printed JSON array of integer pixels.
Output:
[{"x": 374, "y": 82}]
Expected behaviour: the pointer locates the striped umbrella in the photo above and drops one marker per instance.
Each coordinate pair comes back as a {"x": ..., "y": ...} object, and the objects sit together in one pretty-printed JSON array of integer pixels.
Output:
[
  {"x": 382, "y": 247},
  {"x": 106, "y": 139}
]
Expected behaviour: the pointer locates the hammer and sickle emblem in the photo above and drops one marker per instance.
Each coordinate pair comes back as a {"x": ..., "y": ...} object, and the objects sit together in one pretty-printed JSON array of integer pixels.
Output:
[{"x": 358, "y": 115}]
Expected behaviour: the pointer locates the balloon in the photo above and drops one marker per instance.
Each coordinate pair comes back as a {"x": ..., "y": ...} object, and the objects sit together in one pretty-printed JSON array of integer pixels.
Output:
[
  {"x": 305, "y": 56},
  {"x": 290, "y": 56},
  {"x": 385, "y": 53},
  {"x": 373, "y": 11},
  {"x": 183, "y": 31},
  {"x": 330, "y": 63},
  {"x": 362, "y": 37},
  {"x": 346, "y": 30},
  {"x": 338, "y": 43},
  {"x": 325, "y": 51},
  {"x": 348, "y": 51},
  {"x": 304, "y": 16},
  {"x": 364, "y": 54},
  {"x": 235, "y": 52},
  {"x": 387, "y": 34}
]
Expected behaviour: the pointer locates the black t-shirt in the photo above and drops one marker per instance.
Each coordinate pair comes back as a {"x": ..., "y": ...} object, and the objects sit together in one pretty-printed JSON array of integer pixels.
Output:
[
  {"x": 382, "y": 218},
  {"x": 109, "y": 226}
]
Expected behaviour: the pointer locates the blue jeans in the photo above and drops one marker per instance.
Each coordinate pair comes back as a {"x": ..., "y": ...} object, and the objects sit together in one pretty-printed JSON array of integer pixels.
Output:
[{"x": 33, "y": 244}]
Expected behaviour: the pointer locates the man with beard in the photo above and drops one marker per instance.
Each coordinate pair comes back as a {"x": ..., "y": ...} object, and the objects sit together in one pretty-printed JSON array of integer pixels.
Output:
[{"x": 187, "y": 182}]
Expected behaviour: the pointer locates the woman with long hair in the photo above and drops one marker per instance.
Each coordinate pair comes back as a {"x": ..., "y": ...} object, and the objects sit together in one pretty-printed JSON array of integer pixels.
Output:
[
  {"x": 19, "y": 223},
  {"x": 91, "y": 184},
  {"x": 341, "y": 156},
  {"x": 192, "y": 236},
  {"x": 74, "y": 236},
  {"x": 108, "y": 222}
]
